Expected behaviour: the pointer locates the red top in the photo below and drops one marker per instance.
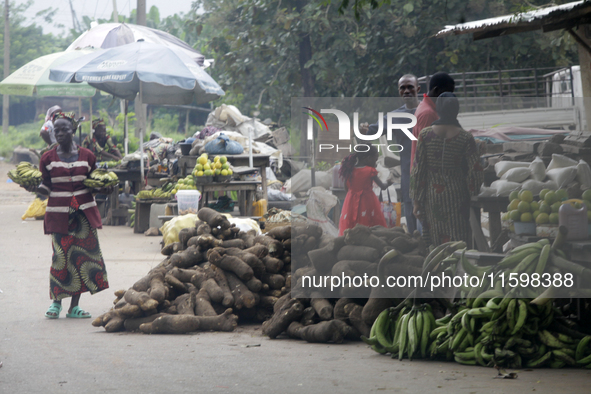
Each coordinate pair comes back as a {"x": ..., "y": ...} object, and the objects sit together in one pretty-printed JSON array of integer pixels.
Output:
[
  {"x": 361, "y": 205},
  {"x": 64, "y": 182},
  {"x": 426, "y": 114}
]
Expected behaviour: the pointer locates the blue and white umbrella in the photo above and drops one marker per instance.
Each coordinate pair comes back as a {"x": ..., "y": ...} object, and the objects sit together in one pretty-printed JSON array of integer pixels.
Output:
[{"x": 161, "y": 74}]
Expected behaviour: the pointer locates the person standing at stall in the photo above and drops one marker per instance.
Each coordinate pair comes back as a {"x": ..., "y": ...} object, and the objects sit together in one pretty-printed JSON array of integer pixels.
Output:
[
  {"x": 46, "y": 131},
  {"x": 71, "y": 218},
  {"x": 361, "y": 205},
  {"x": 408, "y": 88},
  {"x": 445, "y": 174},
  {"x": 426, "y": 112},
  {"x": 100, "y": 143}
]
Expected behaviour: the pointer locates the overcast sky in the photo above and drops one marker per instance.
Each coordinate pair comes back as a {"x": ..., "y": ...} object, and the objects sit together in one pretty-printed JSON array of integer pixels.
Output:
[{"x": 97, "y": 9}]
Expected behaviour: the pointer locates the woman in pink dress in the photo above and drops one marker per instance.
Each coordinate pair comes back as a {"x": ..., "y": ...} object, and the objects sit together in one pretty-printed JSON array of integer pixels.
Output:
[{"x": 361, "y": 204}]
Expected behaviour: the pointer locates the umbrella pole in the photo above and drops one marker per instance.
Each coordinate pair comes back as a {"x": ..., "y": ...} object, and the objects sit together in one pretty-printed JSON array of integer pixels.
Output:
[
  {"x": 141, "y": 109},
  {"x": 125, "y": 126}
]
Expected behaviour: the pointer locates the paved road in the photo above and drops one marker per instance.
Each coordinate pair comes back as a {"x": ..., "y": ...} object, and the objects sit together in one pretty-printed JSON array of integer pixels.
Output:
[{"x": 71, "y": 356}]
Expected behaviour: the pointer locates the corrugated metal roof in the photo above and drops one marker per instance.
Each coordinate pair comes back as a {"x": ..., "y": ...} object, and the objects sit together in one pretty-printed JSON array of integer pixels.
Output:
[{"x": 531, "y": 20}]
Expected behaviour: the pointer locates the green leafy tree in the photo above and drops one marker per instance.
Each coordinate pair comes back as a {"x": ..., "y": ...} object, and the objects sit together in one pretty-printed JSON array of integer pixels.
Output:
[{"x": 267, "y": 52}]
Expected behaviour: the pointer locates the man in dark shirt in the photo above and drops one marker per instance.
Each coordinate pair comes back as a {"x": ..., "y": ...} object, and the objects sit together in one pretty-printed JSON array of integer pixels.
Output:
[{"x": 408, "y": 87}]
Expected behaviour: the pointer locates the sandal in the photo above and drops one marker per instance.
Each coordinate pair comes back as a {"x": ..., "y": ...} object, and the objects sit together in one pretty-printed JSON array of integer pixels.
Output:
[
  {"x": 78, "y": 313},
  {"x": 54, "y": 308}
]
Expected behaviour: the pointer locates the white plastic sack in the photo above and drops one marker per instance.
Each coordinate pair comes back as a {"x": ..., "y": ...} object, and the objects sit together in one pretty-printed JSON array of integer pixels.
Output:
[
  {"x": 538, "y": 169},
  {"x": 487, "y": 192},
  {"x": 550, "y": 185},
  {"x": 560, "y": 161},
  {"x": 244, "y": 224},
  {"x": 319, "y": 205},
  {"x": 503, "y": 166},
  {"x": 584, "y": 175},
  {"x": 302, "y": 181},
  {"x": 518, "y": 175},
  {"x": 535, "y": 187},
  {"x": 504, "y": 188},
  {"x": 562, "y": 176}
]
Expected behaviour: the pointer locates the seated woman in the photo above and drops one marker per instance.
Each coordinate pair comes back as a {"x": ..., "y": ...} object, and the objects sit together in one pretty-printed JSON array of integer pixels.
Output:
[{"x": 100, "y": 143}]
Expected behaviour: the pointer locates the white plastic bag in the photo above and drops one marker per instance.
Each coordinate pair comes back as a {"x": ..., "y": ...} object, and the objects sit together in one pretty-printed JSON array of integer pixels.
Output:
[
  {"x": 503, "y": 166},
  {"x": 518, "y": 174},
  {"x": 538, "y": 169},
  {"x": 504, "y": 188},
  {"x": 319, "y": 205},
  {"x": 562, "y": 176},
  {"x": 560, "y": 161},
  {"x": 302, "y": 181},
  {"x": 584, "y": 175}
]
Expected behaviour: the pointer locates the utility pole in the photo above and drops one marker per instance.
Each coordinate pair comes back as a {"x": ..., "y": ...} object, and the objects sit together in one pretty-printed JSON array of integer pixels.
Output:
[
  {"x": 140, "y": 108},
  {"x": 75, "y": 24},
  {"x": 115, "y": 14},
  {"x": 6, "y": 98},
  {"x": 141, "y": 12}
]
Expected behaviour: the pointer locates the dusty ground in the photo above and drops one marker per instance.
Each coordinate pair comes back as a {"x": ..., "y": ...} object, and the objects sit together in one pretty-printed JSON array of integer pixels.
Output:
[{"x": 71, "y": 356}]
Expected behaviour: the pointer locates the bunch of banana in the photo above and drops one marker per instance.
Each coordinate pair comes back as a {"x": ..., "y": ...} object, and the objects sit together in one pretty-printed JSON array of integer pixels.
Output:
[
  {"x": 25, "y": 174},
  {"x": 509, "y": 332},
  {"x": 405, "y": 334},
  {"x": 153, "y": 194},
  {"x": 100, "y": 178},
  {"x": 109, "y": 164}
]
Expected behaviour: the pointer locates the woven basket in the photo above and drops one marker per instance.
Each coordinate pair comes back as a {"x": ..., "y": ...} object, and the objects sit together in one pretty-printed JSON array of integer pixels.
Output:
[{"x": 270, "y": 226}]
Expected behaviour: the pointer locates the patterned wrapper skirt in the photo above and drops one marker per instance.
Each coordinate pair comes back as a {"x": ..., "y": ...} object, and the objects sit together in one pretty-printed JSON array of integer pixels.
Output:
[{"x": 77, "y": 262}]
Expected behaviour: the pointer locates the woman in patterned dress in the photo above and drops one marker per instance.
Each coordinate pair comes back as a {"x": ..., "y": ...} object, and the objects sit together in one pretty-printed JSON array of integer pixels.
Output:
[
  {"x": 446, "y": 173},
  {"x": 71, "y": 218},
  {"x": 100, "y": 143}
]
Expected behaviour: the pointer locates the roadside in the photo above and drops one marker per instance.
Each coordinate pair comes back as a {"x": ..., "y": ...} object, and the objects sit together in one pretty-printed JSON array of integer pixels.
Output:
[{"x": 68, "y": 356}]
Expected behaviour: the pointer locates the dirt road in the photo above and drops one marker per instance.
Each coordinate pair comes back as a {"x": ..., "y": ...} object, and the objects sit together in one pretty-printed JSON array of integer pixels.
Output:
[{"x": 71, "y": 356}]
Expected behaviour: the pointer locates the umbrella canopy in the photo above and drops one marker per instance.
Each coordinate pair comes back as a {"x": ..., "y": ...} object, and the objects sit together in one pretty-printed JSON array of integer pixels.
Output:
[
  {"x": 109, "y": 35},
  {"x": 162, "y": 74},
  {"x": 32, "y": 79}
]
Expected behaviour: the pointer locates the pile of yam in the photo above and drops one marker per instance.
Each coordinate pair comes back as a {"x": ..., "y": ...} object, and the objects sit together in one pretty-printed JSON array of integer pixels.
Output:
[
  {"x": 214, "y": 276},
  {"x": 346, "y": 313}
]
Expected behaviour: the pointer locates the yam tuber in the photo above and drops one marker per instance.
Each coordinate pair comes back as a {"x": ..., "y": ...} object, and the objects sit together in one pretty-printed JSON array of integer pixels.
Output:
[
  {"x": 186, "y": 234},
  {"x": 280, "y": 233},
  {"x": 187, "y": 258},
  {"x": 324, "y": 259},
  {"x": 253, "y": 261},
  {"x": 157, "y": 289},
  {"x": 232, "y": 264},
  {"x": 354, "y": 312},
  {"x": 184, "y": 304},
  {"x": 242, "y": 296},
  {"x": 373, "y": 307},
  {"x": 339, "y": 308},
  {"x": 222, "y": 282},
  {"x": 357, "y": 252},
  {"x": 361, "y": 235},
  {"x": 275, "y": 281},
  {"x": 289, "y": 312},
  {"x": 272, "y": 265},
  {"x": 203, "y": 304},
  {"x": 141, "y": 299},
  {"x": 323, "y": 307},
  {"x": 323, "y": 332},
  {"x": 202, "y": 282},
  {"x": 213, "y": 218},
  {"x": 275, "y": 247}
]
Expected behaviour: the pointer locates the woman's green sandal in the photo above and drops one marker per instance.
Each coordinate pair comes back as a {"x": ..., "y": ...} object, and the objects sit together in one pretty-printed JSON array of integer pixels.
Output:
[
  {"x": 55, "y": 309},
  {"x": 78, "y": 313}
]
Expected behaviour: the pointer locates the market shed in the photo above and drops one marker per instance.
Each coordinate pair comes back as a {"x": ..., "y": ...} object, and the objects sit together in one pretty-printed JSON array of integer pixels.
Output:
[{"x": 573, "y": 17}]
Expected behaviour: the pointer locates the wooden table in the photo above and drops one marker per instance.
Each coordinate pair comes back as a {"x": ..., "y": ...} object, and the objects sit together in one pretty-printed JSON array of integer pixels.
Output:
[
  {"x": 246, "y": 193},
  {"x": 494, "y": 206},
  {"x": 142, "y": 214},
  {"x": 131, "y": 175},
  {"x": 260, "y": 161}
]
